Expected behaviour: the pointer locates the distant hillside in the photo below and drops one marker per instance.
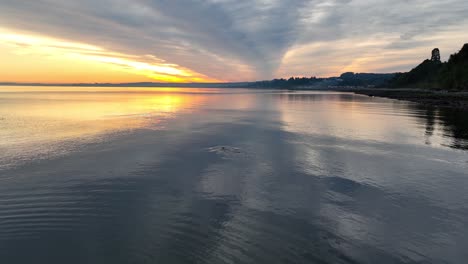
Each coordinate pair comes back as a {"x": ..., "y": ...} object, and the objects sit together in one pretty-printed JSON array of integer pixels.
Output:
[
  {"x": 454, "y": 73},
  {"x": 434, "y": 74},
  {"x": 346, "y": 79},
  {"x": 365, "y": 79},
  {"x": 425, "y": 75}
]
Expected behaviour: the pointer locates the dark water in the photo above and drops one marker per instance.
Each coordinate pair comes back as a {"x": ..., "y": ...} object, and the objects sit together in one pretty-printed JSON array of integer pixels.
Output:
[{"x": 229, "y": 176}]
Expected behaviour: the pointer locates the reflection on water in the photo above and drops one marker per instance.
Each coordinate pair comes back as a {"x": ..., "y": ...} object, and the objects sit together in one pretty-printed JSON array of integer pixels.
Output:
[
  {"x": 455, "y": 125},
  {"x": 173, "y": 175},
  {"x": 446, "y": 123},
  {"x": 348, "y": 115},
  {"x": 39, "y": 121}
]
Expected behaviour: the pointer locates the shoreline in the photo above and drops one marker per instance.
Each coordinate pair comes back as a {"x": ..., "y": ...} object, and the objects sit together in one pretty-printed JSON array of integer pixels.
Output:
[{"x": 454, "y": 100}]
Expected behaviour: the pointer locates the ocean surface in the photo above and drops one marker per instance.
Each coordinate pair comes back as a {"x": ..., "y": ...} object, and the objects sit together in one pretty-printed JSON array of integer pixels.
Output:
[{"x": 181, "y": 175}]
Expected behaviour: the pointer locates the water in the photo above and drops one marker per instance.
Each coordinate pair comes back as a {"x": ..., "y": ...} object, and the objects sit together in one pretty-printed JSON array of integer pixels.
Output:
[{"x": 173, "y": 175}]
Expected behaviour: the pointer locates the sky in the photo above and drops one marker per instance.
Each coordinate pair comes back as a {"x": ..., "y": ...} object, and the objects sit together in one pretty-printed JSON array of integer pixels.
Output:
[{"x": 68, "y": 41}]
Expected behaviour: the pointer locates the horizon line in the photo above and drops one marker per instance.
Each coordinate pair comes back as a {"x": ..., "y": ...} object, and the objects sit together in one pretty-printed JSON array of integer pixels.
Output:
[{"x": 165, "y": 83}]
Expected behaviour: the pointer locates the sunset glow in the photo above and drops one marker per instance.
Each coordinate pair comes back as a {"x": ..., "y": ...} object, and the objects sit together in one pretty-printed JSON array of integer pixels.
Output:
[
  {"x": 220, "y": 41},
  {"x": 46, "y": 59}
]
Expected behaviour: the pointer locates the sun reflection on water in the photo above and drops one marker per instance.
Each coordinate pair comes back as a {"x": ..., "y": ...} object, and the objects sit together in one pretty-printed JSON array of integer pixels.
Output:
[{"x": 41, "y": 123}]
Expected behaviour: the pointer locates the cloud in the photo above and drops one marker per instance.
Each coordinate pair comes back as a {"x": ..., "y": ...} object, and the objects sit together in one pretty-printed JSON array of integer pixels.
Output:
[
  {"x": 148, "y": 65},
  {"x": 253, "y": 39}
]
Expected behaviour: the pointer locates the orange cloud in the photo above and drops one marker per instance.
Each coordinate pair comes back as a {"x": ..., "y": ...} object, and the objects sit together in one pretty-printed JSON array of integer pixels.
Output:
[{"x": 33, "y": 58}]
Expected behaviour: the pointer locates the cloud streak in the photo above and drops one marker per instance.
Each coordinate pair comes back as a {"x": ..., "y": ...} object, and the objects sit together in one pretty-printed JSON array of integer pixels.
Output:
[
  {"x": 253, "y": 39},
  {"x": 148, "y": 65}
]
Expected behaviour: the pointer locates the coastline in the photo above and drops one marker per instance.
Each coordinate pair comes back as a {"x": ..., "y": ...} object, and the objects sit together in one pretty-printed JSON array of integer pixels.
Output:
[{"x": 456, "y": 100}]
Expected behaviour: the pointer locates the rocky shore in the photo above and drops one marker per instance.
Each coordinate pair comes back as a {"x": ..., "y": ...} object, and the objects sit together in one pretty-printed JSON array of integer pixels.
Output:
[{"x": 458, "y": 100}]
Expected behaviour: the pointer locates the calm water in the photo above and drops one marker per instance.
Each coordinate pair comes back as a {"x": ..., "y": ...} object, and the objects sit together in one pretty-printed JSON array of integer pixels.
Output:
[{"x": 169, "y": 175}]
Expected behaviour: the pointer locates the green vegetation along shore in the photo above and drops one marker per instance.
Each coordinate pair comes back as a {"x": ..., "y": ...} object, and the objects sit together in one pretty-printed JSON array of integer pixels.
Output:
[
  {"x": 434, "y": 74},
  {"x": 436, "y": 83}
]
